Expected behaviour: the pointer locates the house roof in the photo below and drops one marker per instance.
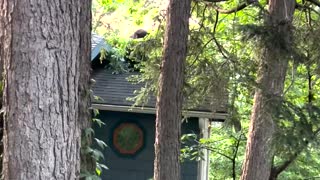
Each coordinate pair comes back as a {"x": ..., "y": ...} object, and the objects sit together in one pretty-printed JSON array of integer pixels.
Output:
[
  {"x": 97, "y": 44},
  {"x": 115, "y": 89}
]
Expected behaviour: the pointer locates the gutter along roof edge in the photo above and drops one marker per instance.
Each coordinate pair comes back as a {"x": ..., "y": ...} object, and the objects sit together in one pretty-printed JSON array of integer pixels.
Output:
[{"x": 148, "y": 110}]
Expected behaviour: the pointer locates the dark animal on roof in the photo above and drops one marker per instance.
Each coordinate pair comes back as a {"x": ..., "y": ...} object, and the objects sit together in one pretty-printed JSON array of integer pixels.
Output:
[
  {"x": 140, "y": 33},
  {"x": 132, "y": 57}
]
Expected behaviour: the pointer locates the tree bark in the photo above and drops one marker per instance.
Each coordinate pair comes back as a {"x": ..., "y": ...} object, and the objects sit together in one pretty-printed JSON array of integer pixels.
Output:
[
  {"x": 45, "y": 46},
  {"x": 87, "y": 162},
  {"x": 2, "y": 35},
  {"x": 170, "y": 97},
  {"x": 270, "y": 79}
]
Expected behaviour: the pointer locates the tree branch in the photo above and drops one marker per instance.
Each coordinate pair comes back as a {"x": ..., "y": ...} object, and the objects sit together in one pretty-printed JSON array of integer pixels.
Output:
[
  {"x": 304, "y": 7},
  {"x": 275, "y": 171},
  {"x": 218, "y": 152},
  {"x": 315, "y": 2},
  {"x": 215, "y": 1},
  {"x": 234, "y": 175},
  {"x": 233, "y": 10}
]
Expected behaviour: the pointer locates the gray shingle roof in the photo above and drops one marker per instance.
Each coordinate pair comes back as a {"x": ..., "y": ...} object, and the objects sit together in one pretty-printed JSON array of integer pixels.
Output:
[{"x": 114, "y": 89}]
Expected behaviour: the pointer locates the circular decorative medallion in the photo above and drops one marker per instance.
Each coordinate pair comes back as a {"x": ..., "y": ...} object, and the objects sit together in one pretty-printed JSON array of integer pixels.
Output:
[{"x": 128, "y": 138}]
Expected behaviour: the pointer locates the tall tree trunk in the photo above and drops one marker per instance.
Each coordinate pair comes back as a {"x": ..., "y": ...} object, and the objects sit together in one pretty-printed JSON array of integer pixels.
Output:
[
  {"x": 170, "y": 98},
  {"x": 45, "y": 47},
  {"x": 270, "y": 79},
  {"x": 2, "y": 25},
  {"x": 88, "y": 163}
]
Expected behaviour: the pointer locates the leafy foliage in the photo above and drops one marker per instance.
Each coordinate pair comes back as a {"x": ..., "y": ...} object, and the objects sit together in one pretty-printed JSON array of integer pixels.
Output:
[
  {"x": 93, "y": 168},
  {"x": 223, "y": 56}
]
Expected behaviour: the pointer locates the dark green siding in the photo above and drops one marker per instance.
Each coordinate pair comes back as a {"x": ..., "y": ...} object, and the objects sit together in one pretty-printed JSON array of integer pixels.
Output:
[{"x": 139, "y": 167}]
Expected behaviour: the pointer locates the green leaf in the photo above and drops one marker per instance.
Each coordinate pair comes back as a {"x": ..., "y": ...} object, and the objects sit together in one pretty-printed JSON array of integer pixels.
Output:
[
  {"x": 101, "y": 144},
  {"x": 103, "y": 166},
  {"x": 98, "y": 171},
  {"x": 95, "y": 112},
  {"x": 98, "y": 121},
  {"x": 88, "y": 132},
  {"x": 98, "y": 98},
  {"x": 97, "y": 155}
]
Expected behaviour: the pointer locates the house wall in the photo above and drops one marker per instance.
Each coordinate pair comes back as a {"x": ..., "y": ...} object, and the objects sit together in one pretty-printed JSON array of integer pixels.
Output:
[{"x": 140, "y": 166}]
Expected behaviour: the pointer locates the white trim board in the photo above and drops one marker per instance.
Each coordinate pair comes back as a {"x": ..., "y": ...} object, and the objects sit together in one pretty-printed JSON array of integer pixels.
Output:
[
  {"x": 203, "y": 164},
  {"x": 148, "y": 110}
]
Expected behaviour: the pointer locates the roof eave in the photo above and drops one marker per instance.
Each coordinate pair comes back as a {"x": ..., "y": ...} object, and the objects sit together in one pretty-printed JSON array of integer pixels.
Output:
[{"x": 149, "y": 110}]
